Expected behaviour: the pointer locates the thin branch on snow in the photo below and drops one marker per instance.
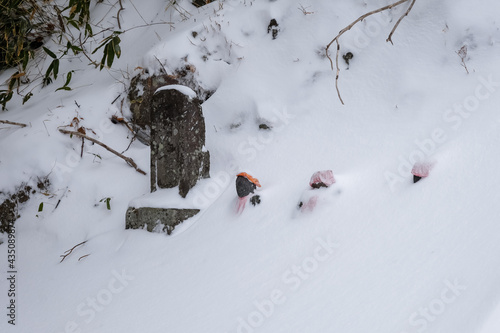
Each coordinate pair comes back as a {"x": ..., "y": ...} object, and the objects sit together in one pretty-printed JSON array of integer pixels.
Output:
[
  {"x": 389, "y": 39},
  {"x": 68, "y": 252},
  {"x": 125, "y": 158},
  {"x": 349, "y": 27},
  {"x": 118, "y": 14},
  {"x": 12, "y": 123},
  {"x": 84, "y": 256}
]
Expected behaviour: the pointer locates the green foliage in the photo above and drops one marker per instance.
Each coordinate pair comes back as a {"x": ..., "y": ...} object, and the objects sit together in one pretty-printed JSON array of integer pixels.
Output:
[
  {"x": 5, "y": 96},
  {"x": 14, "y": 81},
  {"x": 16, "y": 29},
  {"x": 27, "y": 97},
  {"x": 107, "y": 201},
  {"x": 68, "y": 80},
  {"x": 111, "y": 49},
  {"x": 53, "y": 68},
  {"x": 25, "y": 25}
]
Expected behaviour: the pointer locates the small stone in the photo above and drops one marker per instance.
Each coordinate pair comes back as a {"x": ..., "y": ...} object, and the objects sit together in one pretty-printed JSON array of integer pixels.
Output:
[
  {"x": 348, "y": 56},
  {"x": 157, "y": 219},
  {"x": 255, "y": 200},
  {"x": 264, "y": 127},
  {"x": 273, "y": 28}
]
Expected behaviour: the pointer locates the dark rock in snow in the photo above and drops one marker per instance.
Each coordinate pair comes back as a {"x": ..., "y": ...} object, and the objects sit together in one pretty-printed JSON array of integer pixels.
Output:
[
  {"x": 273, "y": 28},
  {"x": 10, "y": 204},
  {"x": 348, "y": 56},
  {"x": 157, "y": 219},
  {"x": 8, "y": 215},
  {"x": 178, "y": 155},
  {"x": 244, "y": 186},
  {"x": 255, "y": 200},
  {"x": 264, "y": 127}
]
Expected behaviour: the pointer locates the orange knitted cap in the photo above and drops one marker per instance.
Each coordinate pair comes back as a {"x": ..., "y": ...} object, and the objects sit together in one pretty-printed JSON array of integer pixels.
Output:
[{"x": 250, "y": 178}]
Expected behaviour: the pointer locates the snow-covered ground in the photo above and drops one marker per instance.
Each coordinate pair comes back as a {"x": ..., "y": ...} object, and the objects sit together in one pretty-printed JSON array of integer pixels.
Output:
[{"x": 378, "y": 254}]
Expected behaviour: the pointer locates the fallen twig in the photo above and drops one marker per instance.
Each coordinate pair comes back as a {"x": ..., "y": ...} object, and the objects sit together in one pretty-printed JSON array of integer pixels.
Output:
[
  {"x": 68, "y": 252},
  {"x": 59, "y": 201},
  {"x": 12, "y": 123},
  {"x": 163, "y": 67},
  {"x": 118, "y": 14},
  {"x": 349, "y": 27},
  {"x": 389, "y": 39},
  {"x": 127, "y": 159},
  {"x": 83, "y": 257},
  {"x": 83, "y": 144},
  {"x": 462, "y": 53}
]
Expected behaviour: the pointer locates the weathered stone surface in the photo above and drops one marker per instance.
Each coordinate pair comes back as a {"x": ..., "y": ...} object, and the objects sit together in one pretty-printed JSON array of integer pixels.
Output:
[
  {"x": 171, "y": 122},
  {"x": 10, "y": 204},
  {"x": 157, "y": 219},
  {"x": 8, "y": 215},
  {"x": 141, "y": 91},
  {"x": 177, "y": 141}
]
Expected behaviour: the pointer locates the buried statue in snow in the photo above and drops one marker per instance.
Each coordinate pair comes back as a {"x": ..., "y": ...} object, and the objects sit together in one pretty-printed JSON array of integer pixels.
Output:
[
  {"x": 421, "y": 170},
  {"x": 246, "y": 185},
  {"x": 178, "y": 154},
  {"x": 178, "y": 157},
  {"x": 320, "y": 180}
]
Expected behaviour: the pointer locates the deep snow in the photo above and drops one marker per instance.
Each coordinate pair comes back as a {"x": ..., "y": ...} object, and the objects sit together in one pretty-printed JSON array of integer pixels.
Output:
[{"x": 378, "y": 254}]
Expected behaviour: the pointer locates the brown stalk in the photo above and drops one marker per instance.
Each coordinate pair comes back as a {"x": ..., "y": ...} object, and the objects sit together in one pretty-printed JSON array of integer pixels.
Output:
[
  {"x": 349, "y": 27},
  {"x": 125, "y": 158}
]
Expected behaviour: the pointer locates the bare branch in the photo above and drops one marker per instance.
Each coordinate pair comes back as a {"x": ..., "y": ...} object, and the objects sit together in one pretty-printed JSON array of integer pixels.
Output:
[
  {"x": 83, "y": 257},
  {"x": 349, "y": 27},
  {"x": 127, "y": 159},
  {"x": 12, "y": 123},
  {"x": 68, "y": 252},
  {"x": 163, "y": 67},
  {"x": 389, "y": 39},
  {"x": 148, "y": 25},
  {"x": 462, "y": 53},
  {"x": 118, "y": 14},
  {"x": 304, "y": 10},
  {"x": 338, "y": 72}
]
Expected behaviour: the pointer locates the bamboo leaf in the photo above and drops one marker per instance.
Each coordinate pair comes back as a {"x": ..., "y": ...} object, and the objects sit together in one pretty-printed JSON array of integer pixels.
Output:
[
  {"x": 105, "y": 54},
  {"x": 49, "y": 52},
  {"x": 56, "y": 68},
  {"x": 111, "y": 54},
  {"x": 116, "y": 44},
  {"x": 103, "y": 43},
  {"x": 27, "y": 97},
  {"x": 64, "y": 88},
  {"x": 26, "y": 58},
  {"x": 68, "y": 78}
]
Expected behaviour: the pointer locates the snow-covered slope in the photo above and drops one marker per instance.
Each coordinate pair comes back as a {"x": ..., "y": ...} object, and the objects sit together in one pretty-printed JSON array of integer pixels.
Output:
[{"x": 379, "y": 254}]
